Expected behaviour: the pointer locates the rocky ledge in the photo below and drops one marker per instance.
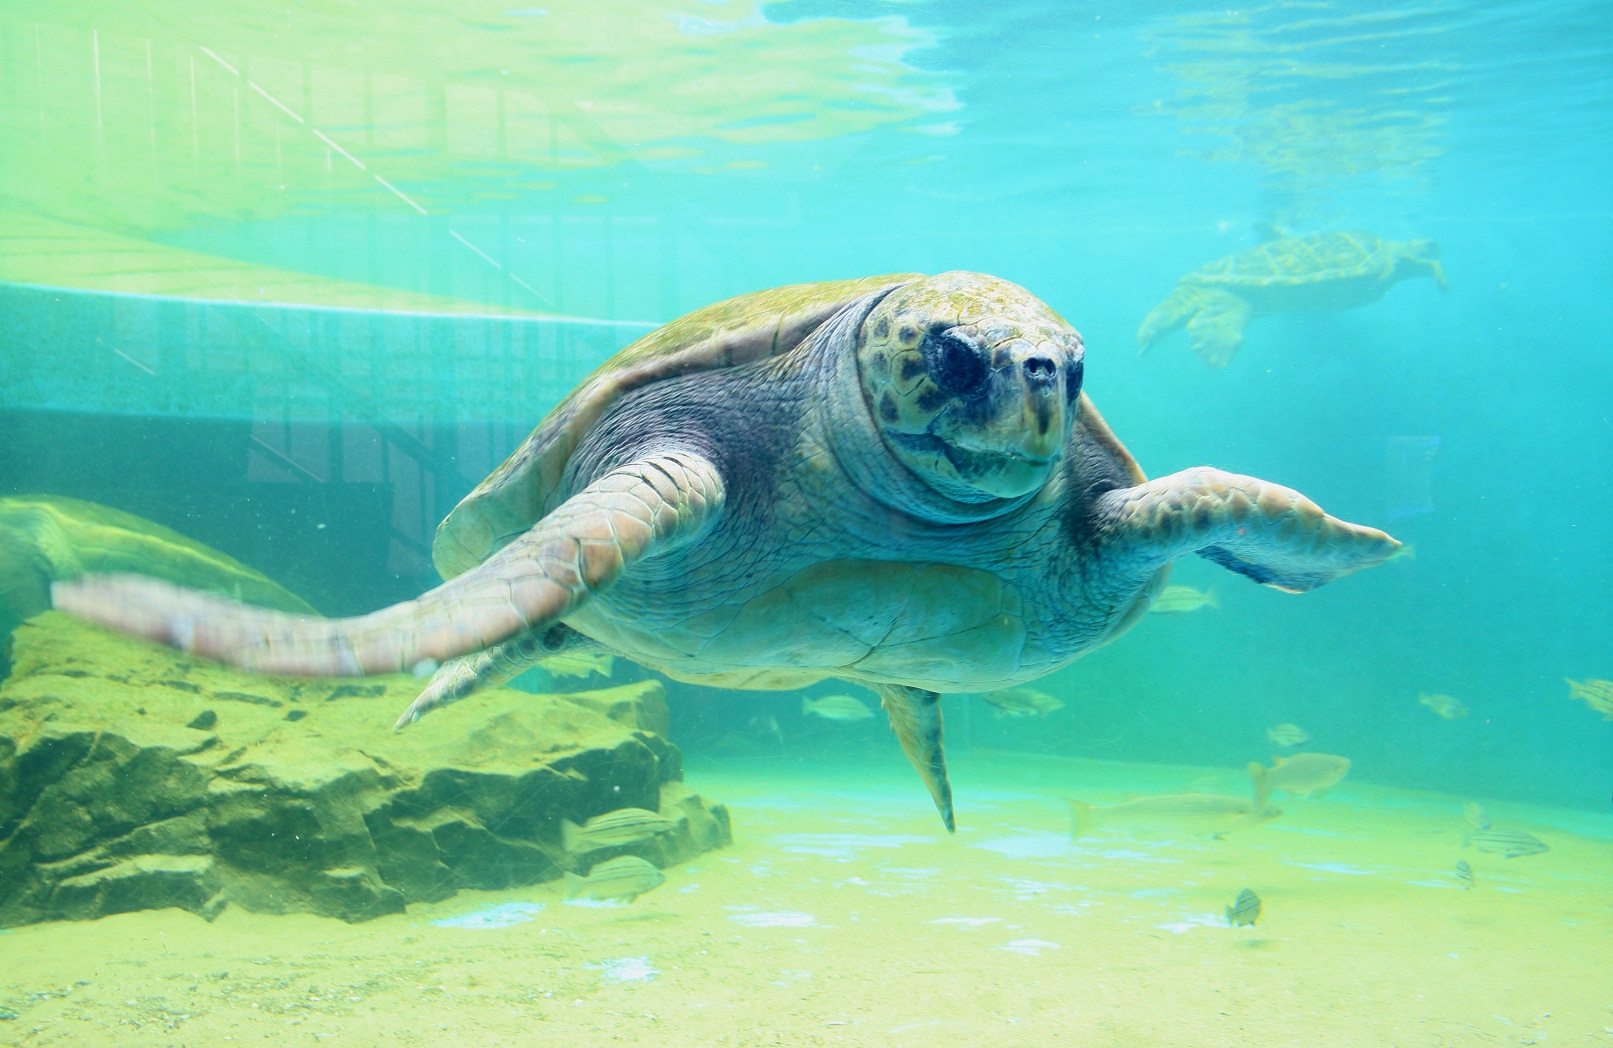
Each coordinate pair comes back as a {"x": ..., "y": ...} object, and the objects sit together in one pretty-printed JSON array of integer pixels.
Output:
[{"x": 133, "y": 777}]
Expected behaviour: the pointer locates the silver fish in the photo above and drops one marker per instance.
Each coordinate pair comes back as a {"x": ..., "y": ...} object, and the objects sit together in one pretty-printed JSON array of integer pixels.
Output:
[
  {"x": 624, "y": 877},
  {"x": 836, "y": 708},
  {"x": 1447, "y": 706},
  {"x": 1287, "y": 735},
  {"x": 622, "y": 826},
  {"x": 1022, "y": 702},
  {"x": 1301, "y": 774},
  {"x": 1476, "y": 817},
  {"x": 579, "y": 664},
  {"x": 1179, "y": 600},
  {"x": 1244, "y": 910},
  {"x": 1464, "y": 873},
  {"x": 1511, "y": 843},
  {"x": 1169, "y": 815}
]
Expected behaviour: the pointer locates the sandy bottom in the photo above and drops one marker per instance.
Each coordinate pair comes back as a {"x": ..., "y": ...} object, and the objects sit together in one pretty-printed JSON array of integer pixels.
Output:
[{"x": 843, "y": 915}]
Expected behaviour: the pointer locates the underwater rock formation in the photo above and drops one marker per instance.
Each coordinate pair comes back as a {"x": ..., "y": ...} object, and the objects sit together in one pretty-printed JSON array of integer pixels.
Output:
[{"x": 133, "y": 777}]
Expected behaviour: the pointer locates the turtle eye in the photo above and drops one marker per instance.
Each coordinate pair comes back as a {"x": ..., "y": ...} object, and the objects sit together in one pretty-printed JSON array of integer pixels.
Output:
[
  {"x": 956, "y": 365},
  {"x": 1073, "y": 375}
]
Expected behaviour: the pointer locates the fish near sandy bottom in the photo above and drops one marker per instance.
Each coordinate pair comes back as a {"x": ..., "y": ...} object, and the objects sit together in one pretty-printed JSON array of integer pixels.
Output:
[
  {"x": 836, "y": 708},
  {"x": 1464, "y": 874},
  {"x": 1169, "y": 815},
  {"x": 1245, "y": 909},
  {"x": 1021, "y": 702},
  {"x": 1300, "y": 775},
  {"x": 612, "y": 829},
  {"x": 1509, "y": 843},
  {"x": 898, "y": 482},
  {"x": 625, "y": 877}
]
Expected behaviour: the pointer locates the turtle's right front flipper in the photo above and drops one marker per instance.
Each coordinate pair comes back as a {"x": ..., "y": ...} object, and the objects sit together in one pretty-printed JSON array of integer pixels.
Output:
[
  {"x": 630, "y": 513},
  {"x": 1270, "y": 533}
]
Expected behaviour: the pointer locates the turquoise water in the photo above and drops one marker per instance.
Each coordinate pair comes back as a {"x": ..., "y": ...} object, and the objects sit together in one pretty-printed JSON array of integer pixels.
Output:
[{"x": 291, "y": 282}]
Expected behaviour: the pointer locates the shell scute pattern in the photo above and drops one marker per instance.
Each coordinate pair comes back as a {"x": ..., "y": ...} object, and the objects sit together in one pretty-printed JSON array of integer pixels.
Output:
[
  {"x": 725, "y": 334},
  {"x": 1298, "y": 260}
]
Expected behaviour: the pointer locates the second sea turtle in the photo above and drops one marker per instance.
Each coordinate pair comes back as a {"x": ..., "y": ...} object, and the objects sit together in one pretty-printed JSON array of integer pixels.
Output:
[{"x": 1289, "y": 274}]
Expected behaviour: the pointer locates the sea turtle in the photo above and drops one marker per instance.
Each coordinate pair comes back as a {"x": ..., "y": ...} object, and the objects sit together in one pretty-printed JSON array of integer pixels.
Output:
[
  {"x": 1284, "y": 275},
  {"x": 895, "y": 481}
]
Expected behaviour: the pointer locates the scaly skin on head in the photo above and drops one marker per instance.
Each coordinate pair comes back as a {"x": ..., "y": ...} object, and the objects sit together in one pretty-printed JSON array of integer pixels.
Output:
[{"x": 972, "y": 381}]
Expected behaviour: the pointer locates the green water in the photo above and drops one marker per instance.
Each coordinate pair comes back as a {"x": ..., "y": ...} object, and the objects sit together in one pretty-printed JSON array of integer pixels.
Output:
[{"x": 291, "y": 280}]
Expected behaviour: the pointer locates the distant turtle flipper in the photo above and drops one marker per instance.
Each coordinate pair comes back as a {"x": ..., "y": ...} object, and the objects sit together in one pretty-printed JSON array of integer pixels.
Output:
[
  {"x": 1168, "y": 317},
  {"x": 916, "y": 719},
  {"x": 1270, "y": 533},
  {"x": 1214, "y": 320},
  {"x": 1216, "y": 331}
]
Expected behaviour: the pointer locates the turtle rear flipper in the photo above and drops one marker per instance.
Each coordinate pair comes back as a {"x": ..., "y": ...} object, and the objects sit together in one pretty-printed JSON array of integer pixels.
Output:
[
  {"x": 580, "y": 549},
  {"x": 1270, "y": 533},
  {"x": 1167, "y": 317},
  {"x": 1214, "y": 320},
  {"x": 1216, "y": 331},
  {"x": 916, "y": 719}
]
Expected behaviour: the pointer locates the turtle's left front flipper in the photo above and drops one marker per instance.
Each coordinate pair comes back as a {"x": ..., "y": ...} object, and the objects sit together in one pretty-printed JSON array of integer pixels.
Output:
[
  {"x": 1270, "y": 533},
  {"x": 916, "y": 719},
  {"x": 632, "y": 512}
]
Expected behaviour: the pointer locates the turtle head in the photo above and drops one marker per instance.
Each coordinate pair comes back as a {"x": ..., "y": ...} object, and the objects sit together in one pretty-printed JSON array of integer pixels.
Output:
[
  {"x": 1416, "y": 257},
  {"x": 973, "y": 383}
]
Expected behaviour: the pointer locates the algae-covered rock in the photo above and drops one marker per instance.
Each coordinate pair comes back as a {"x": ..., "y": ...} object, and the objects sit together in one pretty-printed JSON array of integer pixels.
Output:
[{"x": 133, "y": 777}]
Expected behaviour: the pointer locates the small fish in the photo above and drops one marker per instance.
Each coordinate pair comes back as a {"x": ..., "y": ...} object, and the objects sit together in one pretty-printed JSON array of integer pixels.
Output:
[
  {"x": 1287, "y": 735},
  {"x": 624, "y": 877},
  {"x": 1446, "y": 706},
  {"x": 1476, "y": 817},
  {"x": 1244, "y": 910},
  {"x": 836, "y": 708},
  {"x": 1169, "y": 815},
  {"x": 767, "y": 726},
  {"x": 579, "y": 664},
  {"x": 1179, "y": 600},
  {"x": 1597, "y": 694},
  {"x": 1021, "y": 702},
  {"x": 622, "y": 826},
  {"x": 1464, "y": 873},
  {"x": 1301, "y": 775},
  {"x": 1511, "y": 843}
]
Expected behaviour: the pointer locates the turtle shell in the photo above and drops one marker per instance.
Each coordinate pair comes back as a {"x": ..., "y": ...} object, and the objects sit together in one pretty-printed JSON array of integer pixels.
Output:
[
  {"x": 723, "y": 335},
  {"x": 1295, "y": 261}
]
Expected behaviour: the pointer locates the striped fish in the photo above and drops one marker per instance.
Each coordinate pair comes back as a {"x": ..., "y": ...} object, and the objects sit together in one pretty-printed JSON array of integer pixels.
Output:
[
  {"x": 1245, "y": 909},
  {"x": 1511, "y": 843},
  {"x": 622, "y": 826},
  {"x": 1464, "y": 873},
  {"x": 624, "y": 877},
  {"x": 1597, "y": 694}
]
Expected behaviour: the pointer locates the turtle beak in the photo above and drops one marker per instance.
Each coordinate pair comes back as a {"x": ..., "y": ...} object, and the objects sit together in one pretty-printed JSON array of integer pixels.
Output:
[{"x": 1042, "y": 407}]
